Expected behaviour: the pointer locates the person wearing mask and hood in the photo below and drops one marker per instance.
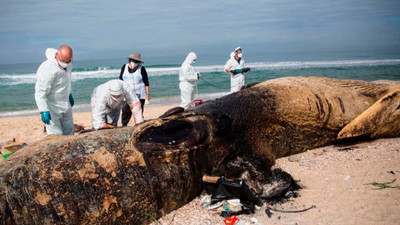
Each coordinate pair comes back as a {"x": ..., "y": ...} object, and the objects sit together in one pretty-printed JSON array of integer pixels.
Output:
[
  {"x": 188, "y": 78},
  {"x": 235, "y": 67},
  {"x": 106, "y": 102},
  {"x": 53, "y": 91},
  {"x": 135, "y": 75}
]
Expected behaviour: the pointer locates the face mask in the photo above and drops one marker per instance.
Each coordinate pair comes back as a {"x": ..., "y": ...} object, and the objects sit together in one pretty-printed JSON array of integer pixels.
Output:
[
  {"x": 114, "y": 98},
  {"x": 135, "y": 64},
  {"x": 240, "y": 55},
  {"x": 114, "y": 102},
  {"x": 193, "y": 62},
  {"x": 63, "y": 64}
]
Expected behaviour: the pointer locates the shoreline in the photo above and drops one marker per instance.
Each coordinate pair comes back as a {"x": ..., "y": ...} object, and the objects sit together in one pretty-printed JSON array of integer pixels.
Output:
[
  {"x": 82, "y": 108},
  {"x": 155, "y": 103}
]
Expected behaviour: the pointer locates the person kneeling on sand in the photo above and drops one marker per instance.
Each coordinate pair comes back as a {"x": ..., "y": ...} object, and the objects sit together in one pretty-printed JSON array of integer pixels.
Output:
[{"x": 106, "y": 103}]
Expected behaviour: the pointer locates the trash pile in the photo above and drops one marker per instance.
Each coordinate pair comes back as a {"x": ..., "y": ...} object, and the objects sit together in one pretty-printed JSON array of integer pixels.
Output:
[{"x": 232, "y": 198}]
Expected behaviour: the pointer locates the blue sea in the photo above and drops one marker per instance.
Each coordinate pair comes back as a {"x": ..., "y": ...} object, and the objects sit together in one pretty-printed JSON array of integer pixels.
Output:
[{"x": 17, "y": 81}]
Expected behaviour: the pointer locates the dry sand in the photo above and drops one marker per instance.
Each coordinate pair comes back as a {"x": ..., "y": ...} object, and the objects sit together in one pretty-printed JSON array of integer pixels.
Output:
[
  {"x": 336, "y": 179},
  {"x": 30, "y": 129}
]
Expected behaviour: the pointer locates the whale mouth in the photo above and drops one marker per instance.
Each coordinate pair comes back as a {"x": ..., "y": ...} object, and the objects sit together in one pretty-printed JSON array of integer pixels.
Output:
[
  {"x": 181, "y": 133},
  {"x": 172, "y": 131}
]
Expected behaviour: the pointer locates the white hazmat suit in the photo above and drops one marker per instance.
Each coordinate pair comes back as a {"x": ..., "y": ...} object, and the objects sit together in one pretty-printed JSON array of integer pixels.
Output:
[
  {"x": 52, "y": 89},
  {"x": 188, "y": 78},
  {"x": 237, "y": 80},
  {"x": 106, "y": 108}
]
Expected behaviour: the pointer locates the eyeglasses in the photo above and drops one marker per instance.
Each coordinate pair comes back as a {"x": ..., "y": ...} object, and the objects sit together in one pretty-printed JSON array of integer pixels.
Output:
[{"x": 135, "y": 61}]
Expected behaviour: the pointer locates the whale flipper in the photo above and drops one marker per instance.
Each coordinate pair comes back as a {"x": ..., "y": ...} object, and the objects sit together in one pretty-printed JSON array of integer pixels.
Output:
[{"x": 382, "y": 119}]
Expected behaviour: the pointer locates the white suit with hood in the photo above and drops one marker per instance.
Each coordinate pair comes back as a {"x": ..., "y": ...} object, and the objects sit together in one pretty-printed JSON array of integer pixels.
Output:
[
  {"x": 237, "y": 80},
  {"x": 188, "y": 78},
  {"x": 52, "y": 89},
  {"x": 106, "y": 109}
]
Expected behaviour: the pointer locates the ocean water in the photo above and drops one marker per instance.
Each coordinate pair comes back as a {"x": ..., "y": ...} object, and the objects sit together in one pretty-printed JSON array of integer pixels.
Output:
[{"x": 17, "y": 81}]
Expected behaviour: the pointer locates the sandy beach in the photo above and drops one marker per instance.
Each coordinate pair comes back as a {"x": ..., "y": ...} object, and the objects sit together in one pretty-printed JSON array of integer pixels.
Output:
[
  {"x": 337, "y": 180},
  {"x": 29, "y": 129}
]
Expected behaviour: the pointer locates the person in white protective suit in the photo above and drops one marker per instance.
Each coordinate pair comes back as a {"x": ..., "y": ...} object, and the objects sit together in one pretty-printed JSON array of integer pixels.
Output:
[
  {"x": 53, "y": 91},
  {"x": 106, "y": 102},
  {"x": 235, "y": 67},
  {"x": 188, "y": 78}
]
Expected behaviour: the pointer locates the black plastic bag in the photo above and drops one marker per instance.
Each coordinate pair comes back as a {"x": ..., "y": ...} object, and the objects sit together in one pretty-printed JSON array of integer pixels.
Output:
[{"x": 236, "y": 189}]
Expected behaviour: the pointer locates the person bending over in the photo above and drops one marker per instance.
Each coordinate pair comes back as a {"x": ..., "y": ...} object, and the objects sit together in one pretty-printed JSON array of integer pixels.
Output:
[{"x": 106, "y": 102}]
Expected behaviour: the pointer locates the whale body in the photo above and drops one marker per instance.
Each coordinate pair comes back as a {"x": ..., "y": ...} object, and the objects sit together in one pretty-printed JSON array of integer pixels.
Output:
[{"x": 134, "y": 175}]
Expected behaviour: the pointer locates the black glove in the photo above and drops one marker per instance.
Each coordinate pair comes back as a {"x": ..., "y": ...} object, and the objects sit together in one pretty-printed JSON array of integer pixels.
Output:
[
  {"x": 198, "y": 76},
  {"x": 234, "y": 72},
  {"x": 246, "y": 69}
]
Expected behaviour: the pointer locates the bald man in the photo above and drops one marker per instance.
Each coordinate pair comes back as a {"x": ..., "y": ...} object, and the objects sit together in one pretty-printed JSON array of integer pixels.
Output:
[{"x": 53, "y": 91}]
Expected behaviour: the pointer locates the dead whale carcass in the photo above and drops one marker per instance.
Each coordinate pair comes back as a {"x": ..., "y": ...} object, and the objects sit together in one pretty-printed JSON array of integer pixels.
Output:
[
  {"x": 278, "y": 118},
  {"x": 243, "y": 133},
  {"x": 108, "y": 177}
]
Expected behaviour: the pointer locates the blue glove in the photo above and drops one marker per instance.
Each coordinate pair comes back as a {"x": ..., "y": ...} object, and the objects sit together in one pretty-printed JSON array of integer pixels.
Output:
[
  {"x": 46, "y": 117},
  {"x": 236, "y": 71},
  {"x": 239, "y": 71},
  {"x": 242, "y": 70},
  {"x": 71, "y": 100}
]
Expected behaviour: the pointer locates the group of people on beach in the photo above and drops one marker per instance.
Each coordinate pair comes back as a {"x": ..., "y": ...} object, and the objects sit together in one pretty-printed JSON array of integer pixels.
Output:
[{"x": 128, "y": 94}]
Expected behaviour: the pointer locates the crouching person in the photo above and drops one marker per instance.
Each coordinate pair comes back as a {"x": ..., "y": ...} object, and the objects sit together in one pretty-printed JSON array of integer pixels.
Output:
[{"x": 106, "y": 103}]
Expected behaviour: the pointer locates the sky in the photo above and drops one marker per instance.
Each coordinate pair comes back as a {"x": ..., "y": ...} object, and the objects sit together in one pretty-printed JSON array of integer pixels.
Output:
[{"x": 101, "y": 29}]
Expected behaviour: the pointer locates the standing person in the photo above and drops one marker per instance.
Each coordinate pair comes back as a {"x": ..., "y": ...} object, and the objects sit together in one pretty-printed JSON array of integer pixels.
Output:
[
  {"x": 134, "y": 74},
  {"x": 235, "y": 67},
  {"x": 53, "y": 91},
  {"x": 106, "y": 102},
  {"x": 188, "y": 78}
]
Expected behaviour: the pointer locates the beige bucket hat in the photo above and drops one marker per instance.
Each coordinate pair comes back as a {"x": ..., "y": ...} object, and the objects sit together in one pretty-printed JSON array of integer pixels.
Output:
[{"x": 135, "y": 56}]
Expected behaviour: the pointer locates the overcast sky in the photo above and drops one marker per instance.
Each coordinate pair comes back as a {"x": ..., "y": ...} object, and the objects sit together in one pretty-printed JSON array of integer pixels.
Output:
[{"x": 98, "y": 29}]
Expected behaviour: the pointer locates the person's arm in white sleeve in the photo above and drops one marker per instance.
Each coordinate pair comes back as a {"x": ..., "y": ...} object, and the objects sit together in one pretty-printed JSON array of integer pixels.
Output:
[
  {"x": 227, "y": 67},
  {"x": 189, "y": 73},
  {"x": 135, "y": 106},
  {"x": 99, "y": 113},
  {"x": 43, "y": 88}
]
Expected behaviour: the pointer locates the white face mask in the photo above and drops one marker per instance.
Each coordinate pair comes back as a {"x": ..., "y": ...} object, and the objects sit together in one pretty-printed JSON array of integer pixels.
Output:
[
  {"x": 240, "y": 55},
  {"x": 134, "y": 64},
  {"x": 63, "y": 64},
  {"x": 114, "y": 102}
]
